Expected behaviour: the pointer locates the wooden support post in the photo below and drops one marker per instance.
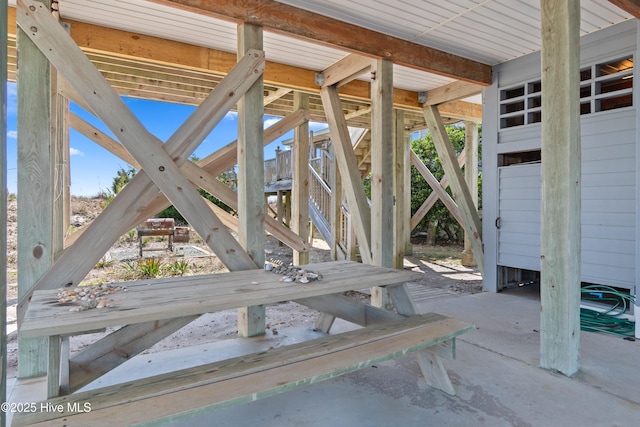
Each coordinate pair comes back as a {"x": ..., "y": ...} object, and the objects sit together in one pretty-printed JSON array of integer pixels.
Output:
[
  {"x": 336, "y": 206},
  {"x": 382, "y": 164},
  {"x": 251, "y": 210},
  {"x": 561, "y": 199},
  {"x": 401, "y": 164},
  {"x": 300, "y": 192},
  {"x": 471, "y": 177},
  {"x": 3, "y": 210},
  {"x": 382, "y": 173},
  {"x": 35, "y": 169},
  {"x": 468, "y": 212},
  {"x": 407, "y": 199}
]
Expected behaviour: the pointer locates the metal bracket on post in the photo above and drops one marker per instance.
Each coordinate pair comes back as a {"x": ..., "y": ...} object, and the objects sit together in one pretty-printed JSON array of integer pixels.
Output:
[
  {"x": 320, "y": 79},
  {"x": 422, "y": 97}
]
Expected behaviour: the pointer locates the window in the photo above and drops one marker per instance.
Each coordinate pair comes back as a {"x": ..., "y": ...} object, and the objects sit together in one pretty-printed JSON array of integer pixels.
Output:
[
  {"x": 604, "y": 86},
  {"x": 520, "y": 105},
  {"x": 607, "y": 86}
]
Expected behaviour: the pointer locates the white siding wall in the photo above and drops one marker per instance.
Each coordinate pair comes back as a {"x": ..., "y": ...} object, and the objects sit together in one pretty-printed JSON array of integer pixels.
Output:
[{"x": 609, "y": 177}]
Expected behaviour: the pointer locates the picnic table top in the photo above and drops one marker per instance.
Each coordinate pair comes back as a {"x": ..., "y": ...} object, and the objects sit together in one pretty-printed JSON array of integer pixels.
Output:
[{"x": 166, "y": 298}]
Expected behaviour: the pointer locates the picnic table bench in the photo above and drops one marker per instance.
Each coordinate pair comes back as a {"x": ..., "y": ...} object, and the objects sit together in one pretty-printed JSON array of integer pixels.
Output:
[{"x": 384, "y": 335}]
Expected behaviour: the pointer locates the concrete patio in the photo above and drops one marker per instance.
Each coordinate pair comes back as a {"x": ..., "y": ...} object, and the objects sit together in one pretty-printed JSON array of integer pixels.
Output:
[{"x": 496, "y": 376}]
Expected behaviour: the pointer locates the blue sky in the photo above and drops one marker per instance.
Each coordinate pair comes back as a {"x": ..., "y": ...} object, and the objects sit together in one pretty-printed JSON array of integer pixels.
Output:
[{"x": 93, "y": 168}]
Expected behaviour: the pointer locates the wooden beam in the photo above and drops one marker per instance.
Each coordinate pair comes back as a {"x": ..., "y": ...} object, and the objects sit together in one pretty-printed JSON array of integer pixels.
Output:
[
  {"x": 461, "y": 194},
  {"x": 471, "y": 177},
  {"x": 35, "y": 168},
  {"x": 145, "y": 49},
  {"x": 300, "y": 192},
  {"x": 317, "y": 28},
  {"x": 632, "y": 7},
  {"x": 345, "y": 161},
  {"x": 275, "y": 95},
  {"x": 560, "y": 246},
  {"x": 401, "y": 168},
  {"x": 3, "y": 210},
  {"x": 251, "y": 210},
  {"x": 382, "y": 165},
  {"x": 452, "y": 92},
  {"x": 347, "y": 69}
]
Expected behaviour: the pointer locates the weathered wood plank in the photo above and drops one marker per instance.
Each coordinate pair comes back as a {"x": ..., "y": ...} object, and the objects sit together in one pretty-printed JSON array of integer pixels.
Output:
[
  {"x": 176, "y": 54},
  {"x": 156, "y": 299},
  {"x": 3, "y": 211},
  {"x": 347, "y": 69},
  {"x": 471, "y": 141},
  {"x": 222, "y": 384},
  {"x": 318, "y": 28},
  {"x": 468, "y": 211},
  {"x": 35, "y": 168},
  {"x": 382, "y": 164},
  {"x": 560, "y": 247},
  {"x": 452, "y": 92},
  {"x": 300, "y": 192},
  {"x": 346, "y": 163},
  {"x": 402, "y": 192},
  {"x": 251, "y": 204}
]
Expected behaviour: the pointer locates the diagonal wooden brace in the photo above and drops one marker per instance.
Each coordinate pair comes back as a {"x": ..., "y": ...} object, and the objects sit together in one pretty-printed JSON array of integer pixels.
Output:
[{"x": 77, "y": 261}]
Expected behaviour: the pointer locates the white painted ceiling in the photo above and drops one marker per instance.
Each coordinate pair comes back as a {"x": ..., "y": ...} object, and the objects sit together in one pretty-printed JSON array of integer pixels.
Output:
[{"x": 488, "y": 31}]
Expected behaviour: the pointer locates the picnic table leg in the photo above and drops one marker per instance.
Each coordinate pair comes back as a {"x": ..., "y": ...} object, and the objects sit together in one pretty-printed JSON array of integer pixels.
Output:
[
  {"x": 58, "y": 369},
  {"x": 325, "y": 322},
  {"x": 429, "y": 360}
]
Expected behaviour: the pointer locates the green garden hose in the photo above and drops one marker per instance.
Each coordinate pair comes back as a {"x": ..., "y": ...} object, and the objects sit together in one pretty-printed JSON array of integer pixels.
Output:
[{"x": 610, "y": 321}]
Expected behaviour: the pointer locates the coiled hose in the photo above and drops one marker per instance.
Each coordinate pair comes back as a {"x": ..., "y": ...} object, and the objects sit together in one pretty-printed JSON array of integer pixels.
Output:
[{"x": 609, "y": 321}]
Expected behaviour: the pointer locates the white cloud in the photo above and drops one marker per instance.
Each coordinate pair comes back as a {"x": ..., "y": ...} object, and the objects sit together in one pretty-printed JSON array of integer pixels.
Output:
[
  {"x": 271, "y": 122},
  {"x": 231, "y": 115},
  {"x": 13, "y": 134},
  {"x": 75, "y": 152}
]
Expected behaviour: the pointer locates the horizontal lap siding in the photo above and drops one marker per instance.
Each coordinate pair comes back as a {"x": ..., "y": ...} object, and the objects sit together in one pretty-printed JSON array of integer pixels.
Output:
[
  {"x": 608, "y": 204},
  {"x": 609, "y": 198},
  {"x": 519, "y": 234}
]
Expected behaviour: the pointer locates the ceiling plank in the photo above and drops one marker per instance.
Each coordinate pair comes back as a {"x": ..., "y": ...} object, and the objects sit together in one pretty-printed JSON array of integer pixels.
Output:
[
  {"x": 299, "y": 23},
  {"x": 632, "y": 7}
]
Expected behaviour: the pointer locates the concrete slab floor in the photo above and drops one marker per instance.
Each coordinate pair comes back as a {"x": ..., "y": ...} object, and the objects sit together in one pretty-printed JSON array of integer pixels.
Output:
[{"x": 496, "y": 377}]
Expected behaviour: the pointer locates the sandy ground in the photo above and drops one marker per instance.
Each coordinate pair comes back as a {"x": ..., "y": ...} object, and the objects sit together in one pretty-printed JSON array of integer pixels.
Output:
[{"x": 214, "y": 326}]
